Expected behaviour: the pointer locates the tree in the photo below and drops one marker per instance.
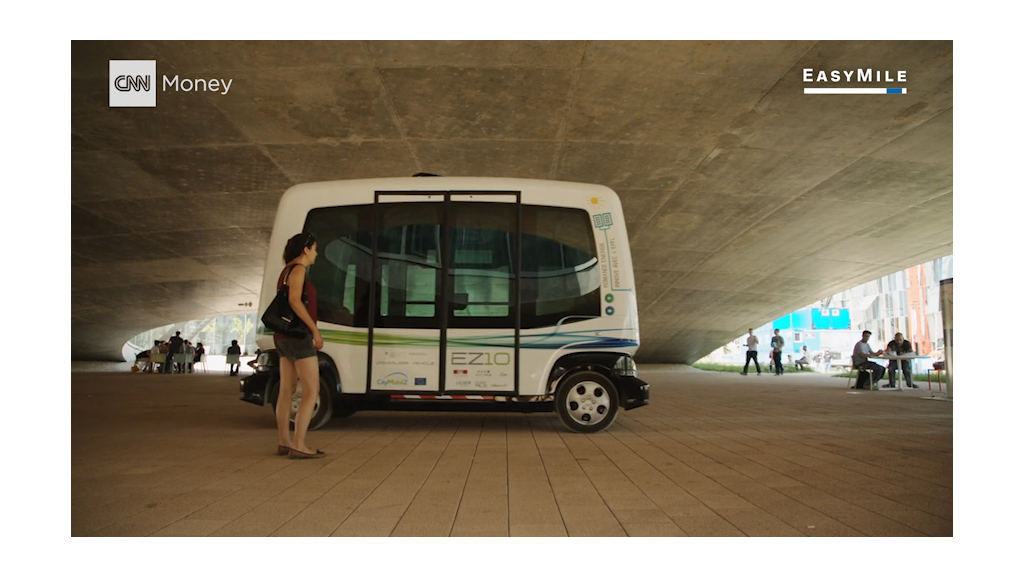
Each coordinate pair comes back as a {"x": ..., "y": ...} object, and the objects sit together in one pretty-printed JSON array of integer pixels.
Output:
[{"x": 243, "y": 325}]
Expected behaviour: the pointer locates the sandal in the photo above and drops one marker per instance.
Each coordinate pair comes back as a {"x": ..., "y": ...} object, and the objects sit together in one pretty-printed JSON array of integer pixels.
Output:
[{"x": 299, "y": 455}]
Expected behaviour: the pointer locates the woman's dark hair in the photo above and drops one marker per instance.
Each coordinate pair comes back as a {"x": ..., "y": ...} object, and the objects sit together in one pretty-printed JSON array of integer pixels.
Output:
[{"x": 296, "y": 244}]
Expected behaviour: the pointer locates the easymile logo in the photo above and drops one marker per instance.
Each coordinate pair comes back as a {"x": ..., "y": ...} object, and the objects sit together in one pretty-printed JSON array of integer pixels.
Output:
[{"x": 133, "y": 83}]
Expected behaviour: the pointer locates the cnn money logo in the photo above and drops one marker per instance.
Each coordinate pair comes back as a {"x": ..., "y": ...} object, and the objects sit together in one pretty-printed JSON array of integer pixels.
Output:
[{"x": 133, "y": 83}]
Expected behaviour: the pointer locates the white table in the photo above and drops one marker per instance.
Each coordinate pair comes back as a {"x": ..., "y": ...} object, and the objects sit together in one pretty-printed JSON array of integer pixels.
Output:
[{"x": 899, "y": 366}]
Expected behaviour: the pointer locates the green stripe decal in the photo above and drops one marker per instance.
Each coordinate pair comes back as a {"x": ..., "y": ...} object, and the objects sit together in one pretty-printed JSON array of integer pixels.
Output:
[{"x": 575, "y": 339}]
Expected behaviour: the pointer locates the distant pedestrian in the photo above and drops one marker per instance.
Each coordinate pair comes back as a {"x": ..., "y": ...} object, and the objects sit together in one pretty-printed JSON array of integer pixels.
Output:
[
  {"x": 777, "y": 343},
  {"x": 234, "y": 349},
  {"x": 803, "y": 362},
  {"x": 751, "y": 352},
  {"x": 176, "y": 346}
]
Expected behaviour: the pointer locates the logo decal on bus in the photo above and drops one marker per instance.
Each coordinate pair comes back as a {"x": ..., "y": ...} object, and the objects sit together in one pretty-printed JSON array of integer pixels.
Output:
[
  {"x": 481, "y": 358},
  {"x": 603, "y": 221},
  {"x": 393, "y": 379}
]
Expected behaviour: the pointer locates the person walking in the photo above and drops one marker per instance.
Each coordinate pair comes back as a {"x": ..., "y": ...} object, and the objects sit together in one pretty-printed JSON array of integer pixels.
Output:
[
  {"x": 751, "y": 352},
  {"x": 777, "y": 343},
  {"x": 298, "y": 355}
]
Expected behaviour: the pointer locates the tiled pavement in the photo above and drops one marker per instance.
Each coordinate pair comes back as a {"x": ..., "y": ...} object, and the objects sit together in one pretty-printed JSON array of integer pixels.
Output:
[{"x": 714, "y": 454}]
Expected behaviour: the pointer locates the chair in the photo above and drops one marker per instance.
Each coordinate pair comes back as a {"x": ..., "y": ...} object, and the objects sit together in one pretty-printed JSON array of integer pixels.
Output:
[
  {"x": 232, "y": 359},
  {"x": 183, "y": 358},
  {"x": 938, "y": 375},
  {"x": 864, "y": 368},
  {"x": 158, "y": 358},
  {"x": 202, "y": 361}
]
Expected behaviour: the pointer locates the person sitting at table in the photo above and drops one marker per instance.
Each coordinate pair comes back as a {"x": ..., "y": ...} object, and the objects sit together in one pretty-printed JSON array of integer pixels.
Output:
[
  {"x": 900, "y": 346},
  {"x": 190, "y": 352},
  {"x": 861, "y": 352},
  {"x": 152, "y": 352}
]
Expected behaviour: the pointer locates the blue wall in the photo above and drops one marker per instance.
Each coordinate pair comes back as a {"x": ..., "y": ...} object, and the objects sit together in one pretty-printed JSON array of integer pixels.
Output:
[
  {"x": 820, "y": 321},
  {"x": 808, "y": 323}
]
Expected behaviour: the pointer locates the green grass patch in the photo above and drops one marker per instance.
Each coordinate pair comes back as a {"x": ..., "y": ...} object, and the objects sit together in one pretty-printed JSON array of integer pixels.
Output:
[{"x": 711, "y": 367}]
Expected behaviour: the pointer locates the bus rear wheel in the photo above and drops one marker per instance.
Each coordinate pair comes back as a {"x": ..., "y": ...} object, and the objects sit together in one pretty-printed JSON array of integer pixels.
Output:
[{"x": 587, "y": 402}]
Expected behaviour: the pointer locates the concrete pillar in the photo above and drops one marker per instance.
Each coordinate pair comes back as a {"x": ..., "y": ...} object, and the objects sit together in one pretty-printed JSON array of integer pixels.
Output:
[{"x": 946, "y": 299}]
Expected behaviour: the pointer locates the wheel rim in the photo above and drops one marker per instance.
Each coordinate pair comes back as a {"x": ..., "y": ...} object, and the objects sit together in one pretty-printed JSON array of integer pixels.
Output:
[
  {"x": 588, "y": 403},
  {"x": 297, "y": 399}
]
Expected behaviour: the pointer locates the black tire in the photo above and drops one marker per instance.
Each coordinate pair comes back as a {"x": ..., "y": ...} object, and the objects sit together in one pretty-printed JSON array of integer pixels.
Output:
[
  {"x": 587, "y": 402},
  {"x": 322, "y": 411}
]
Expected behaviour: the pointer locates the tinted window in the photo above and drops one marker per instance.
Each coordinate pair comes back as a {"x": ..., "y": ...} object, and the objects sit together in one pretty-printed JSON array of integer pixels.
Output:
[
  {"x": 341, "y": 273},
  {"x": 409, "y": 258},
  {"x": 561, "y": 281},
  {"x": 482, "y": 265},
  {"x": 561, "y": 278}
]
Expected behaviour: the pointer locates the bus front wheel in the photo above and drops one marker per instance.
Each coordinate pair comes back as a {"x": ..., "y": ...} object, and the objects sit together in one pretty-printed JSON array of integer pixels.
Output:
[{"x": 587, "y": 402}]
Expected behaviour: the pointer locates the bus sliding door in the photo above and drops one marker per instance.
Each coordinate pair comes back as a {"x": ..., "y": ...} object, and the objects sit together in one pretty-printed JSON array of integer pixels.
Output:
[
  {"x": 482, "y": 321},
  {"x": 405, "y": 333}
]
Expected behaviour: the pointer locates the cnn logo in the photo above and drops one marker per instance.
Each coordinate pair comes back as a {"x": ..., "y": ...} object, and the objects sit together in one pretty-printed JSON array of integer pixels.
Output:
[{"x": 132, "y": 83}]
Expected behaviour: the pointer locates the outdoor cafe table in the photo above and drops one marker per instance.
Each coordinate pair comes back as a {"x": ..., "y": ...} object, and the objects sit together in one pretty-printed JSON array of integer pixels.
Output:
[{"x": 899, "y": 366}]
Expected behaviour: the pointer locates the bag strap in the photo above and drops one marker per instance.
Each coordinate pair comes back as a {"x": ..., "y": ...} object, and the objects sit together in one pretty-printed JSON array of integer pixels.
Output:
[
  {"x": 284, "y": 282},
  {"x": 287, "y": 273}
]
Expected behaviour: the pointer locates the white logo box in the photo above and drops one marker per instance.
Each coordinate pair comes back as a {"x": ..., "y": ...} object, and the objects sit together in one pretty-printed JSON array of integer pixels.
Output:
[{"x": 133, "y": 83}]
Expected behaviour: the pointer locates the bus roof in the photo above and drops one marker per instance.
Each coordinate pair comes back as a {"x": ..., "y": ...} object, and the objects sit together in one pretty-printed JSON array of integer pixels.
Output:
[{"x": 441, "y": 183}]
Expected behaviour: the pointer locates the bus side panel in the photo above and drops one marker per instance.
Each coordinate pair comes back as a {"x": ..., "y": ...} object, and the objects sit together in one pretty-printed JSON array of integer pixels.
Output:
[
  {"x": 347, "y": 347},
  {"x": 542, "y": 348},
  {"x": 617, "y": 328},
  {"x": 405, "y": 360},
  {"x": 480, "y": 360}
]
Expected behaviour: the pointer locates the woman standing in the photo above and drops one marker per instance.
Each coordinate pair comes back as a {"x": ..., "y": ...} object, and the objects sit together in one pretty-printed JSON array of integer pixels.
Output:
[{"x": 298, "y": 355}]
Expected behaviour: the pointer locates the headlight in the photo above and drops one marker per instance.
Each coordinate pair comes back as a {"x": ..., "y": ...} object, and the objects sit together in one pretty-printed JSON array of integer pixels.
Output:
[{"x": 266, "y": 361}]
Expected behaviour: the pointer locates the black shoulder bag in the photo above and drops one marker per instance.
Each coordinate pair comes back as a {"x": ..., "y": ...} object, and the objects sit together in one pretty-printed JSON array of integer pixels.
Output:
[{"x": 280, "y": 317}]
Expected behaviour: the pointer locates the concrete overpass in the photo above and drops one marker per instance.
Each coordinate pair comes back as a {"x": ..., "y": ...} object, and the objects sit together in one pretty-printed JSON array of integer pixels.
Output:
[{"x": 745, "y": 198}]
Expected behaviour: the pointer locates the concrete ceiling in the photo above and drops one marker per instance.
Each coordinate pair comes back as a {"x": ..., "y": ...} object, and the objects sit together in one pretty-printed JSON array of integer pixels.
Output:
[{"x": 745, "y": 199}]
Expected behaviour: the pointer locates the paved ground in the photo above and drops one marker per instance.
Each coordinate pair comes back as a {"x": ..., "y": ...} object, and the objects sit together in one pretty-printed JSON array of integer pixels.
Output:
[{"x": 715, "y": 454}]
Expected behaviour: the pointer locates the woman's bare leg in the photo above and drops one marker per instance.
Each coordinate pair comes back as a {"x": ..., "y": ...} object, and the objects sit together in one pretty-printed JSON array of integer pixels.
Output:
[
  {"x": 309, "y": 378},
  {"x": 285, "y": 391}
]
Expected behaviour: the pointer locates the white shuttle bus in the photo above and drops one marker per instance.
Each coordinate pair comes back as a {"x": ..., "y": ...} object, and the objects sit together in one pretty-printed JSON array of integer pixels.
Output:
[{"x": 486, "y": 289}]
